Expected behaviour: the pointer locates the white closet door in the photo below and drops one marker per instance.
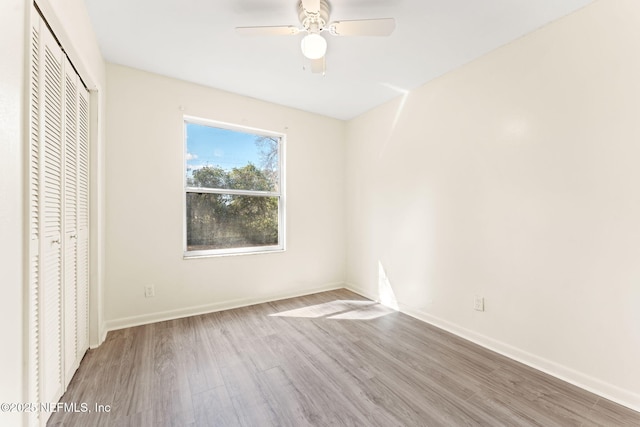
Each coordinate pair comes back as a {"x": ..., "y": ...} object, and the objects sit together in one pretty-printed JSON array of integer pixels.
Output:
[
  {"x": 34, "y": 220},
  {"x": 51, "y": 143},
  {"x": 82, "y": 302},
  {"x": 70, "y": 191},
  {"x": 58, "y": 194}
]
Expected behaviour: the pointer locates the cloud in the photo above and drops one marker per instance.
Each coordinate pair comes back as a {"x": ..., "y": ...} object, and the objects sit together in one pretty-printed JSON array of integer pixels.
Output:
[{"x": 191, "y": 156}]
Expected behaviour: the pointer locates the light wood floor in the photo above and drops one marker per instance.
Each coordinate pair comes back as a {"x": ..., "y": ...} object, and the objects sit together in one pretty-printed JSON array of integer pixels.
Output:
[{"x": 332, "y": 358}]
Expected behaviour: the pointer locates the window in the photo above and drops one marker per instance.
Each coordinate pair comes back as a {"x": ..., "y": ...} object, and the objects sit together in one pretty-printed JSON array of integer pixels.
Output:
[{"x": 234, "y": 198}]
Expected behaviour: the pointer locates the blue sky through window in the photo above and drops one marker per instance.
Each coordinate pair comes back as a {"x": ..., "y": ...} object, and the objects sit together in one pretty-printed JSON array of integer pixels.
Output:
[{"x": 227, "y": 149}]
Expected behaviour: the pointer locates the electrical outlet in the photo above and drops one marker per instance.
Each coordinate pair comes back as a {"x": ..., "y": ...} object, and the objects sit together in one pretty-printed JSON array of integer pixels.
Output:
[
  {"x": 478, "y": 303},
  {"x": 149, "y": 291}
]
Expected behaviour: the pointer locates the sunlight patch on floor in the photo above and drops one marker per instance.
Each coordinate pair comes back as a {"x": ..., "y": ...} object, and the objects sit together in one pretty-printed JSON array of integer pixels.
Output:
[
  {"x": 367, "y": 313},
  {"x": 339, "y": 310}
]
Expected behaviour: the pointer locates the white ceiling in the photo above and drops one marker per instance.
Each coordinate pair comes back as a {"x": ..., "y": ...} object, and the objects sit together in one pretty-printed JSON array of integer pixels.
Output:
[{"x": 194, "y": 40}]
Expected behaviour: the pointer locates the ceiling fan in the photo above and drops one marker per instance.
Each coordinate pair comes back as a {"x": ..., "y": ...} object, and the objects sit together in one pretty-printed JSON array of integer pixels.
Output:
[{"x": 314, "y": 19}]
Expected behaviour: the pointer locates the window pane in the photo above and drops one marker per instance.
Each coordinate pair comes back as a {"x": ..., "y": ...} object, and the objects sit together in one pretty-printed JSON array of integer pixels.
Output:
[
  {"x": 227, "y": 159},
  {"x": 219, "y": 221}
]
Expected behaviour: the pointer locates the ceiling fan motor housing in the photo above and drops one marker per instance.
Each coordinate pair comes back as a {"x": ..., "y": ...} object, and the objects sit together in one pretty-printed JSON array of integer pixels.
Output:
[{"x": 314, "y": 21}]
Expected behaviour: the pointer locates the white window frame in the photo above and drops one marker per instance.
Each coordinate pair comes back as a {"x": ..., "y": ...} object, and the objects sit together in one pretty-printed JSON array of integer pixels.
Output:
[{"x": 280, "y": 247}]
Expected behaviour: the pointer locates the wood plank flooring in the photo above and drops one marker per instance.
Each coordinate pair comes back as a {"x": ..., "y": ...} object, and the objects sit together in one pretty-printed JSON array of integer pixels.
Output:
[{"x": 332, "y": 358}]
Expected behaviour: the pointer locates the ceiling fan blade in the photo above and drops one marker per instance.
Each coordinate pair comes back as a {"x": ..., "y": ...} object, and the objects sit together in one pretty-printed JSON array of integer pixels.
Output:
[
  {"x": 312, "y": 6},
  {"x": 363, "y": 27},
  {"x": 288, "y": 30},
  {"x": 318, "y": 65}
]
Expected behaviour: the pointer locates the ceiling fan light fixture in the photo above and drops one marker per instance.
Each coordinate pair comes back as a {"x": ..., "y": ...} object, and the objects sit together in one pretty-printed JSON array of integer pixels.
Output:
[{"x": 314, "y": 46}]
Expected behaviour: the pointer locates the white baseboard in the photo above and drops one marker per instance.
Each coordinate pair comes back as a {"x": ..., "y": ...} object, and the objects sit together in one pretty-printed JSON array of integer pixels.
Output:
[
  {"x": 127, "y": 322},
  {"x": 579, "y": 379}
]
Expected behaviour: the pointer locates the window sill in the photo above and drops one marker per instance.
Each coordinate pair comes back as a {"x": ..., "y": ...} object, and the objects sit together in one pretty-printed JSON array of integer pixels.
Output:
[{"x": 231, "y": 252}]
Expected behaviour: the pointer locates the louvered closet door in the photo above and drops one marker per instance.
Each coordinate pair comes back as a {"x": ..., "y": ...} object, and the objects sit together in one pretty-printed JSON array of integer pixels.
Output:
[
  {"x": 58, "y": 188},
  {"x": 34, "y": 221},
  {"x": 82, "y": 263},
  {"x": 76, "y": 222},
  {"x": 51, "y": 174},
  {"x": 70, "y": 191}
]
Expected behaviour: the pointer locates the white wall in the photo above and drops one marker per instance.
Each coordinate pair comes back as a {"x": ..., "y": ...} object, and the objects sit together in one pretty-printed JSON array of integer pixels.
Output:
[
  {"x": 515, "y": 177},
  {"x": 144, "y": 214},
  {"x": 12, "y": 44}
]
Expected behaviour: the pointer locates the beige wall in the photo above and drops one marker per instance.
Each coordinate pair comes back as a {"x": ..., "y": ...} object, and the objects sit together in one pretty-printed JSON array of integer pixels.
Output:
[
  {"x": 515, "y": 178},
  {"x": 144, "y": 217}
]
